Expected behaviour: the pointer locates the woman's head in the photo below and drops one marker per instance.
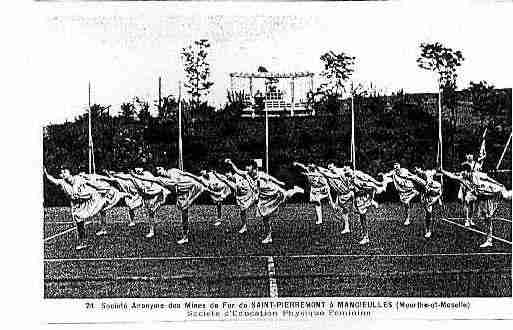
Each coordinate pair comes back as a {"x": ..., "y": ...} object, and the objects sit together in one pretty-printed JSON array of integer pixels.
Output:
[
  {"x": 229, "y": 175},
  {"x": 466, "y": 170},
  {"x": 253, "y": 167},
  {"x": 160, "y": 170},
  {"x": 65, "y": 173}
]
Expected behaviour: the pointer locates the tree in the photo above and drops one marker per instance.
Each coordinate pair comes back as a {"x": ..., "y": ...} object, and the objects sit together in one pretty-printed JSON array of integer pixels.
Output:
[
  {"x": 127, "y": 111},
  {"x": 143, "y": 114},
  {"x": 98, "y": 111},
  {"x": 197, "y": 71},
  {"x": 443, "y": 61},
  {"x": 338, "y": 68},
  {"x": 487, "y": 101},
  {"x": 168, "y": 109},
  {"x": 235, "y": 104}
]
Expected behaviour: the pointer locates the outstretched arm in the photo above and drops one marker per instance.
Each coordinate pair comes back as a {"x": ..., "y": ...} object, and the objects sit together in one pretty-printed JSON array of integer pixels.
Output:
[
  {"x": 453, "y": 176},
  {"x": 456, "y": 177},
  {"x": 388, "y": 174},
  {"x": 202, "y": 180},
  {"x": 116, "y": 182},
  {"x": 278, "y": 182},
  {"x": 300, "y": 165},
  {"x": 327, "y": 173},
  {"x": 409, "y": 175},
  {"x": 143, "y": 178},
  {"x": 417, "y": 178},
  {"x": 95, "y": 186},
  {"x": 235, "y": 169},
  {"x": 366, "y": 177},
  {"x": 108, "y": 173},
  {"x": 121, "y": 176},
  {"x": 226, "y": 181},
  {"x": 99, "y": 177},
  {"x": 105, "y": 178},
  {"x": 51, "y": 178},
  {"x": 271, "y": 178}
]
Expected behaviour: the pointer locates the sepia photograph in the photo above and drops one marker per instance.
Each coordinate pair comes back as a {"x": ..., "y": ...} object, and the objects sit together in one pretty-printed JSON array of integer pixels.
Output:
[{"x": 354, "y": 149}]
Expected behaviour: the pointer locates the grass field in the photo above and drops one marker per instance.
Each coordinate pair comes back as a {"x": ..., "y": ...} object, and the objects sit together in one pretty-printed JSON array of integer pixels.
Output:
[{"x": 304, "y": 259}]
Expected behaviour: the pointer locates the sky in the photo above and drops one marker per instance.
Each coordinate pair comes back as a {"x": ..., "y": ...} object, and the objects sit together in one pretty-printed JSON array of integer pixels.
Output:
[{"x": 122, "y": 48}]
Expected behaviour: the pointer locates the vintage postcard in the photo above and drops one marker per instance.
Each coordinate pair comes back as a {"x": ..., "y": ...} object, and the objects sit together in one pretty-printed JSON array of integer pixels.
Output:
[{"x": 275, "y": 161}]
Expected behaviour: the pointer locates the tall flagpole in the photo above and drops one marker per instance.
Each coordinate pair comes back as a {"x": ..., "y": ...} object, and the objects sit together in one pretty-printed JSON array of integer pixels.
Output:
[
  {"x": 266, "y": 138},
  {"x": 90, "y": 138},
  {"x": 160, "y": 94},
  {"x": 353, "y": 143},
  {"x": 440, "y": 142},
  {"x": 180, "y": 150}
]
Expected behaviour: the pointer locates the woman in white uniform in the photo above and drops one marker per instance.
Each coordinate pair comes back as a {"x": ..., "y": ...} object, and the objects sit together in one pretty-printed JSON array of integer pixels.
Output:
[
  {"x": 215, "y": 183},
  {"x": 488, "y": 194},
  {"x": 365, "y": 187},
  {"x": 342, "y": 187},
  {"x": 430, "y": 195},
  {"x": 153, "y": 194},
  {"x": 86, "y": 201},
  {"x": 466, "y": 197},
  {"x": 405, "y": 185},
  {"x": 187, "y": 190},
  {"x": 108, "y": 191},
  {"x": 133, "y": 199},
  {"x": 319, "y": 189},
  {"x": 245, "y": 191},
  {"x": 271, "y": 195}
]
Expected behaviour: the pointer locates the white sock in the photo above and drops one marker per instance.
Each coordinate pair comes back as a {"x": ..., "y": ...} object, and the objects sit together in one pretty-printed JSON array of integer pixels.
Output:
[
  {"x": 318, "y": 211},
  {"x": 346, "y": 221},
  {"x": 507, "y": 194}
]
